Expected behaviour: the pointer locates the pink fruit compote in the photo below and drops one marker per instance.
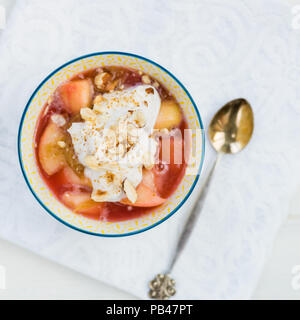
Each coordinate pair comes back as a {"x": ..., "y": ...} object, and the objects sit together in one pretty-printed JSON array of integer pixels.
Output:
[{"x": 59, "y": 164}]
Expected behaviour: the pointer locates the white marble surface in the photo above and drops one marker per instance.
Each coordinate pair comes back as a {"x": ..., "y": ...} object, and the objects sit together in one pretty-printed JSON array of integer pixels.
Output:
[{"x": 30, "y": 276}]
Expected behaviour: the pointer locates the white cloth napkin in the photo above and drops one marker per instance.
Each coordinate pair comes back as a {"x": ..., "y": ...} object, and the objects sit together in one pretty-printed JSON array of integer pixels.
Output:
[{"x": 221, "y": 50}]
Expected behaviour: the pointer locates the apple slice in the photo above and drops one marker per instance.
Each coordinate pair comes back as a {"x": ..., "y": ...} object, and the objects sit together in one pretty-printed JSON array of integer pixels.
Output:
[
  {"x": 68, "y": 176},
  {"x": 169, "y": 116},
  {"x": 51, "y": 156},
  {"x": 146, "y": 193},
  {"x": 76, "y": 94},
  {"x": 81, "y": 202},
  {"x": 75, "y": 198}
]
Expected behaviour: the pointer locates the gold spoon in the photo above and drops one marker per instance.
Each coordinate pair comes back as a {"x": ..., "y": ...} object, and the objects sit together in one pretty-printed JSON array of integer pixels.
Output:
[{"x": 229, "y": 132}]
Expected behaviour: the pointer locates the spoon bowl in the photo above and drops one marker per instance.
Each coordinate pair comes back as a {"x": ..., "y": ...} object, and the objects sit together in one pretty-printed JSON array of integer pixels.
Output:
[{"x": 232, "y": 126}]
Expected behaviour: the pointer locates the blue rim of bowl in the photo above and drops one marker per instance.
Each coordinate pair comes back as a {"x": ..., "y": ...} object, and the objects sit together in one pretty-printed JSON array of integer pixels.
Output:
[{"x": 53, "y": 214}]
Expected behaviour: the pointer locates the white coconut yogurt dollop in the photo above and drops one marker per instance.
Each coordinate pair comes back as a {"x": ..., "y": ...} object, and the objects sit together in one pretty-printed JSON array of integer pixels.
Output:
[{"x": 114, "y": 141}]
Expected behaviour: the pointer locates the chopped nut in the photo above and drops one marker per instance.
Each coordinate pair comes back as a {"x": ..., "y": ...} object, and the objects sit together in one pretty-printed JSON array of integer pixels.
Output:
[
  {"x": 112, "y": 86},
  {"x": 110, "y": 138},
  {"x": 91, "y": 162},
  {"x": 99, "y": 108},
  {"x": 87, "y": 114},
  {"x": 58, "y": 119},
  {"x": 164, "y": 131},
  {"x": 118, "y": 150},
  {"x": 160, "y": 132},
  {"x": 98, "y": 99},
  {"x": 121, "y": 131},
  {"x": 133, "y": 134},
  {"x": 102, "y": 80},
  {"x": 146, "y": 79},
  {"x": 147, "y": 161},
  {"x": 156, "y": 84},
  {"x": 139, "y": 119},
  {"x": 130, "y": 191},
  {"x": 61, "y": 144}
]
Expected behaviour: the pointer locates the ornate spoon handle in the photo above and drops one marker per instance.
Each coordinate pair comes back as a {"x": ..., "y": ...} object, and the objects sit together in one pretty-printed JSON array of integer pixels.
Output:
[{"x": 162, "y": 286}]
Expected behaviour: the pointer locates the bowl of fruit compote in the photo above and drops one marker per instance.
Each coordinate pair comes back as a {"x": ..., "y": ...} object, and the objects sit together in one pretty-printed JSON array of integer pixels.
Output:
[{"x": 111, "y": 144}]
